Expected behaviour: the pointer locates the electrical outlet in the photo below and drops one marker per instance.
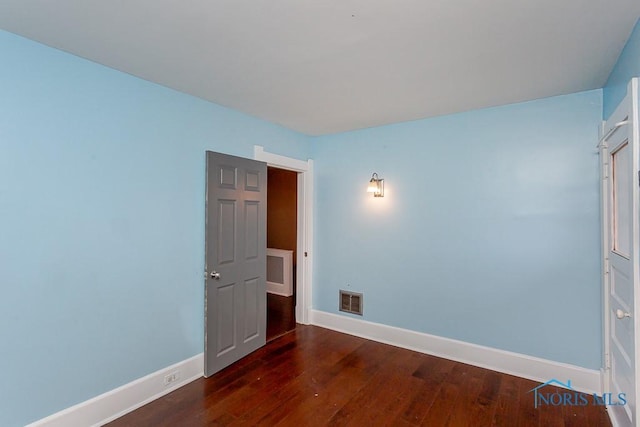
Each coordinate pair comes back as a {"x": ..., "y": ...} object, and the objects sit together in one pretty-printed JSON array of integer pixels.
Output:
[{"x": 171, "y": 378}]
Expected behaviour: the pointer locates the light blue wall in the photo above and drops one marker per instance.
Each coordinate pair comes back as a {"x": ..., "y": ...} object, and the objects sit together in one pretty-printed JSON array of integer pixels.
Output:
[
  {"x": 102, "y": 224},
  {"x": 627, "y": 66},
  {"x": 488, "y": 233}
]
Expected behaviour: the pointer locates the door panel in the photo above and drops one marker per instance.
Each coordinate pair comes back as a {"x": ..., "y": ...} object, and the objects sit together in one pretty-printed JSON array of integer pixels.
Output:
[
  {"x": 235, "y": 284},
  {"x": 252, "y": 181},
  {"x": 226, "y": 313},
  {"x": 252, "y": 301},
  {"x": 623, "y": 268},
  {"x": 252, "y": 230},
  {"x": 226, "y": 232}
]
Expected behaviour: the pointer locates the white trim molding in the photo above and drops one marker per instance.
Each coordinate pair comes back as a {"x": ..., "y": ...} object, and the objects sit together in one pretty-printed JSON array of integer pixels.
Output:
[
  {"x": 124, "y": 399},
  {"x": 304, "y": 256},
  {"x": 521, "y": 365},
  {"x": 282, "y": 162}
]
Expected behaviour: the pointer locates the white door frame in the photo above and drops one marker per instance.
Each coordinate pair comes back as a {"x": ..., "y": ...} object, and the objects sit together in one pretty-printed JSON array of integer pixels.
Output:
[
  {"x": 604, "y": 229},
  {"x": 605, "y": 171},
  {"x": 304, "y": 254}
]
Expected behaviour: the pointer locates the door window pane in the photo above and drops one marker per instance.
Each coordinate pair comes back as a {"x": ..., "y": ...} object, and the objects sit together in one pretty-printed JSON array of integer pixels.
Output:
[{"x": 621, "y": 167}]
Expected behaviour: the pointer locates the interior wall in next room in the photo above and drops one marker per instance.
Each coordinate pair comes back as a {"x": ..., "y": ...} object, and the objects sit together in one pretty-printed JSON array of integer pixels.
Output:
[{"x": 282, "y": 199}]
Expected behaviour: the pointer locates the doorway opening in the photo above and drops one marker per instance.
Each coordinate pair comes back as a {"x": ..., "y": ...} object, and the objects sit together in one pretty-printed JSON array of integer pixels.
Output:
[
  {"x": 282, "y": 239},
  {"x": 304, "y": 256}
]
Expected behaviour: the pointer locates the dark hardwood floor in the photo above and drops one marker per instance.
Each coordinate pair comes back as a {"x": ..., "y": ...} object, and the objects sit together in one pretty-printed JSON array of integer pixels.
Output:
[
  {"x": 281, "y": 315},
  {"x": 316, "y": 377}
]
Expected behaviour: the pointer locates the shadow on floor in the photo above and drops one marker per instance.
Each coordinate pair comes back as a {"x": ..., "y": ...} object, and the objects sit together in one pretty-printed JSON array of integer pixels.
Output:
[{"x": 281, "y": 315}]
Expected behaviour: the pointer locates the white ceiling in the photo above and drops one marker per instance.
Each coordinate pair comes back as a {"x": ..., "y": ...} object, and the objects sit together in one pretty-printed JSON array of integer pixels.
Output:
[{"x": 326, "y": 66}]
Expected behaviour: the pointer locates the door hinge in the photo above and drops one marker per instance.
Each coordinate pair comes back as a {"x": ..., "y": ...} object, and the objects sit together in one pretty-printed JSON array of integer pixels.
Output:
[
  {"x": 607, "y": 361},
  {"x": 605, "y": 170}
]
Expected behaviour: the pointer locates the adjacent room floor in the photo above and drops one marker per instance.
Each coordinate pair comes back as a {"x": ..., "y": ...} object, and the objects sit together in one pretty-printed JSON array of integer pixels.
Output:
[
  {"x": 316, "y": 377},
  {"x": 281, "y": 315}
]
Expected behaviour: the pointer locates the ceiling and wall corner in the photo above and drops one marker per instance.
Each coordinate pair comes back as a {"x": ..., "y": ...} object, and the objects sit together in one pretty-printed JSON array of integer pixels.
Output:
[
  {"x": 627, "y": 66},
  {"x": 327, "y": 67}
]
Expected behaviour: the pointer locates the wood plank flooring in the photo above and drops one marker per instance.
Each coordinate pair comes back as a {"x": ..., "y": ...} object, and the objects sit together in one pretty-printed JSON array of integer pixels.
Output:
[
  {"x": 317, "y": 377},
  {"x": 281, "y": 315}
]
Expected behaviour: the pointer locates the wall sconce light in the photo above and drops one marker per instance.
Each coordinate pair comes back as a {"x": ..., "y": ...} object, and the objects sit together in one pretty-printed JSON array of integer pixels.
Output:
[{"x": 376, "y": 186}]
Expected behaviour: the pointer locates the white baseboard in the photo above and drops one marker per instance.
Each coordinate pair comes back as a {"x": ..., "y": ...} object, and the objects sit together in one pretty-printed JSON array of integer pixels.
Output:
[
  {"x": 521, "y": 365},
  {"x": 117, "y": 402}
]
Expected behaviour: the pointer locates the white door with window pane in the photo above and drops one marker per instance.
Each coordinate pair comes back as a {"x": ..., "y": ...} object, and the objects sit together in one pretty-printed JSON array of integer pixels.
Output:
[{"x": 621, "y": 257}]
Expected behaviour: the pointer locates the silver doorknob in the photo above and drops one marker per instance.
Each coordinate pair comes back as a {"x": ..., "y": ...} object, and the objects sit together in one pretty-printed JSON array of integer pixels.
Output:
[
  {"x": 621, "y": 314},
  {"x": 215, "y": 275}
]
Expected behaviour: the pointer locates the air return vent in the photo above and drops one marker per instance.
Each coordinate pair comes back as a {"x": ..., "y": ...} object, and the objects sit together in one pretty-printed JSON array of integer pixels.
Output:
[{"x": 351, "y": 302}]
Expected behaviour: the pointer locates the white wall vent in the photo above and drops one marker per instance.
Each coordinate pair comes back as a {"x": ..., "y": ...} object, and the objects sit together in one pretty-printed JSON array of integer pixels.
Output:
[
  {"x": 280, "y": 272},
  {"x": 351, "y": 302}
]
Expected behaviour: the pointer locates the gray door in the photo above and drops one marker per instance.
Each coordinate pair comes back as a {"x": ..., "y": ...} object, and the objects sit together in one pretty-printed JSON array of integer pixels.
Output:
[{"x": 235, "y": 252}]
